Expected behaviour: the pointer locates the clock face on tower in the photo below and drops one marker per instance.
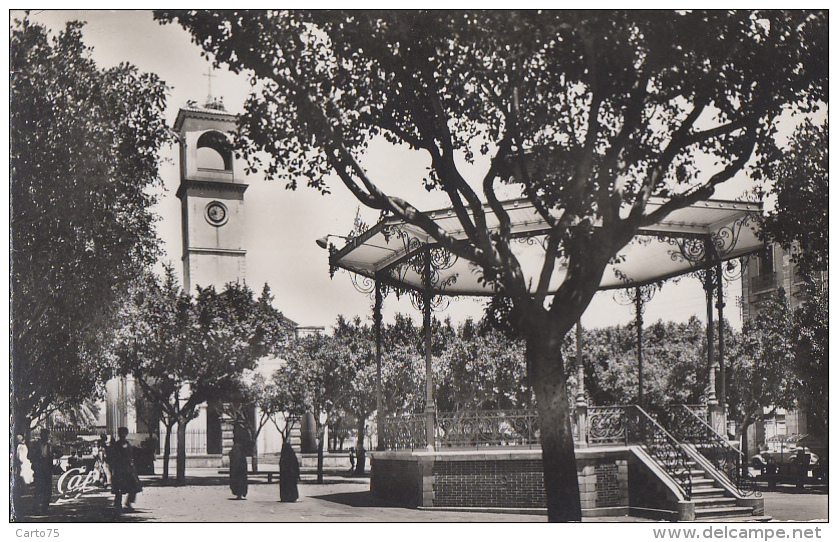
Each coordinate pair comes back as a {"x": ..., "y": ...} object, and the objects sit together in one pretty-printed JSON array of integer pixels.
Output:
[{"x": 216, "y": 213}]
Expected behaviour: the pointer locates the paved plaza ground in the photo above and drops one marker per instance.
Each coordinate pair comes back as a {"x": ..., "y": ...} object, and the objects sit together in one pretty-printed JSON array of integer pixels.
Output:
[{"x": 207, "y": 498}]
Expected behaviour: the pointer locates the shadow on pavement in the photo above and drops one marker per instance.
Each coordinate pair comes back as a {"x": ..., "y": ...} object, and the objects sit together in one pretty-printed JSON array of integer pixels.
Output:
[
  {"x": 793, "y": 490},
  {"x": 253, "y": 479},
  {"x": 312, "y": 481},
  {"x": 356, "y": 499},
  {"x": 157, "y": 481},
  {"x": 91, "y": 508}
]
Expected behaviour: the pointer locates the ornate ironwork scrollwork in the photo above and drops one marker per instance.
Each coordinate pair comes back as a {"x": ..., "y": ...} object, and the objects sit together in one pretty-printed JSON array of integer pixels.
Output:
[
  {"x": 532, "y": 241},
  {"x": 474, "y": 428},
  {"x": 690, "y": 249},
  {"x": 440, "y": 260},
  {"x": 662, "y": 446},
  {"x": 726, "y": 237},
  {"x": 606, "y": 425},
  {"x": 410, "y": 242},
  {"x": 405, "y": 432},
  {"x": 724, "y": 240},
  {"x": 732, "y": 270},
  {"x": 363, "y": 283},
  {"x": 701, "y": 274},
  {"x": 629, "y": 296},
  {"x": 689, "y": 427}
]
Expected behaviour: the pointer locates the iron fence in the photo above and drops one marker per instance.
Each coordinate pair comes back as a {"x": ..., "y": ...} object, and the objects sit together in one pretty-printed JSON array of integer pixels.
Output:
[
  {"x": 196, "y": 441},
  {"x": 404, "y": 432},
  {"x": 474, "y": 428},
  {"x": 699, "y": 410},
  {"x": 606, "y": 425},
  {"x": 688, "y": 427}
]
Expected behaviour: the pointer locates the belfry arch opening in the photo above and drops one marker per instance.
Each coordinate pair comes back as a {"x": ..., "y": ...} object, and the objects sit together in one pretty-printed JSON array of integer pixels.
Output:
[{"x": 214, "y": 151}]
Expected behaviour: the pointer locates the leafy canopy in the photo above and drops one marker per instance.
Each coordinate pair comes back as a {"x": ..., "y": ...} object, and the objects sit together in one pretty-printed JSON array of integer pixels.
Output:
[
  {"x": 588, "y": 113},
  {"x": 811, "y": 347},
  {"x": 800, "y": 174},
  {"x": 184, "y": 351},
  {"x": 84, "y": 145},
  {"x": 761, "y": 365},
  {"x": 591, "y": 112}
]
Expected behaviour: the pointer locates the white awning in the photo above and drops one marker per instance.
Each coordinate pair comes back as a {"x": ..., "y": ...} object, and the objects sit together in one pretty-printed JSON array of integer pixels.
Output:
[{"x": 672, "y": 247}]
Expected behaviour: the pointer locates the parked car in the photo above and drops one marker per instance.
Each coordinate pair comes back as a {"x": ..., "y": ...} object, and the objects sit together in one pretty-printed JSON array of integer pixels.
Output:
[{"x": 786, "y": 456}]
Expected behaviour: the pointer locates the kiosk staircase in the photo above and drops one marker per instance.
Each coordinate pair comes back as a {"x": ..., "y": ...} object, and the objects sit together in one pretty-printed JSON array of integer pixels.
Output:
[{"x": 705, "y": 467}]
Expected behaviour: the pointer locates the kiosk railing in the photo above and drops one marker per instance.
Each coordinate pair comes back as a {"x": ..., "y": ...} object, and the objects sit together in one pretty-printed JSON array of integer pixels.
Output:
[{"x": 477, "y": 428}]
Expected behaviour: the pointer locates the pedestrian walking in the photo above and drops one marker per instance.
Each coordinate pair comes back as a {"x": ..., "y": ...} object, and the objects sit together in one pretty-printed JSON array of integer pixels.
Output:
[
  {"x": 41, "y": 456},
  {"x": 289, "y": 474},
  {"x": 100, "y": 452},
  {"x": 351, "y": 460},
  {"x": 124, "y": 479},
  {"x": 23, "y": 475},
  {"x": 238, "y": 471}
]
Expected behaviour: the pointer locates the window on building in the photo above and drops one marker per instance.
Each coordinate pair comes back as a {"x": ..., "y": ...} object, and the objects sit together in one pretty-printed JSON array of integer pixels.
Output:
[{"x": 766, "y": 261}]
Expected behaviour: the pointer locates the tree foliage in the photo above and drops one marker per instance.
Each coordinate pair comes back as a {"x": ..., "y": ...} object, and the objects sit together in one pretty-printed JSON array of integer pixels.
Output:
[
  {"x": 811, "y": 349},
  {"x": 799, "y": 174},
  {"x": 84, "y": 145},
  {"x": 184, "y": 351},
  {"x": 314, "y": 367},
  {"x": 589, "y": 112},
  {"x": 800, "y": 182},
  {"x": 482, "y": 369},
  {"x": 592, "y": 111},
  {"x": 761, "y": 368},
  {"x": 674, "y": 363}
]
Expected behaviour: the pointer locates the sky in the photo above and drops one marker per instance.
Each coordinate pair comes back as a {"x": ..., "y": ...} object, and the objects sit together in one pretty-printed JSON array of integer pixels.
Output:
[{"x": 283, "y": 225}]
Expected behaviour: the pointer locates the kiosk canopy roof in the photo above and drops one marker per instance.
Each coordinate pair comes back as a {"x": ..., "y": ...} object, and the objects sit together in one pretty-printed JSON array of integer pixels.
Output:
[{"x": 672, "y": 247}]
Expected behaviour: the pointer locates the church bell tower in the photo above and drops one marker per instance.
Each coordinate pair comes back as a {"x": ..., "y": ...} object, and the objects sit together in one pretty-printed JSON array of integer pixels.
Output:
[
  {"x": 212, "y": 199},
  {"x": 212, "y": 221}
]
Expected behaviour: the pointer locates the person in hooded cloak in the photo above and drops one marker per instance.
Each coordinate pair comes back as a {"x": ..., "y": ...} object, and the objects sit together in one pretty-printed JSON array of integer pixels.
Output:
[
  {"x": 289, "y": 474},
  {"x": 238, "y": 471}
]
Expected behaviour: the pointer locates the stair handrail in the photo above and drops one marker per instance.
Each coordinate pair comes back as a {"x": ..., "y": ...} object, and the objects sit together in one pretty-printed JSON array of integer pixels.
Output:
[
  {"x": 663, "y": 447},
  {"x": 725, "y": 458}
]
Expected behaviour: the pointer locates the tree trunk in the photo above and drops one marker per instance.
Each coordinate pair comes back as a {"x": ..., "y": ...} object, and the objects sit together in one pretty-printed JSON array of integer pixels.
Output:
[
  {"x": 167, "y": 454},
  {"x": 23, "y": 425},
  {"x": 254, "y": 461},
  {"x": 320, "y": 459},
  {"x": 362, "y": 456},
  {"x": 745, "y": 460},
  {"x": 561, "y": 483},
  {"x": 181, "y": 451}
]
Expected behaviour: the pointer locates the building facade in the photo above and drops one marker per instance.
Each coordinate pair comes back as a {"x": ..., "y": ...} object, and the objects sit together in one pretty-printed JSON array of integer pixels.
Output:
[
  {"x": 212, "y": 199},
  {"x": 763, "y": 275}
]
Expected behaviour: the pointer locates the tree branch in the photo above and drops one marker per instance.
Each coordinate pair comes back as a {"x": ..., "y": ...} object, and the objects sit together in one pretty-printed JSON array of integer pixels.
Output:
[
  {"x": 675, "y": 145},
  {"x": 547, "y": 268},
  {"x": 609, "y": 202},
  {"x": 706, "y": 190},
  {"x": 585, "y": 166}
]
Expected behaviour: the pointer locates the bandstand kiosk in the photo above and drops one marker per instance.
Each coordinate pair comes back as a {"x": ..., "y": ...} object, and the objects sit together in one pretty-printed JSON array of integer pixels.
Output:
[{"x": 628, "y": 463}]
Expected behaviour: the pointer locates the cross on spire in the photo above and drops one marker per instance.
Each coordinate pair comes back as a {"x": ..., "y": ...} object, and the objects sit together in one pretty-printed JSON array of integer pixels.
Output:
[
  {"x": 212, "y": 102},
  {"x": 209, "y": 75}
]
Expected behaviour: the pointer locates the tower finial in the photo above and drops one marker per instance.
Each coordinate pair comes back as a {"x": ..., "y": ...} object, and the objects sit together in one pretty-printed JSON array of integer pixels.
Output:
[
  {"x": 212, "y": 102},
  {"x": 209, "y": 75}
]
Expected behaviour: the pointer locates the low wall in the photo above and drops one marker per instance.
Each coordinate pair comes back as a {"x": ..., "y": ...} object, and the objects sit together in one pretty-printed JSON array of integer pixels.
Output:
[
  {"x": 333, "y": 461},
  {"x": 202, "y": 461},
  {"x": 497, "y": 479}
]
